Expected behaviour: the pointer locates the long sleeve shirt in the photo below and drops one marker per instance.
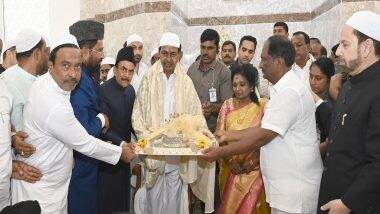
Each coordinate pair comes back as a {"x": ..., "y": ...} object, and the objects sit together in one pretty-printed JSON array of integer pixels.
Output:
[
  {"x": 55, "y": 132},
  {"x": 18, "y": 82}
]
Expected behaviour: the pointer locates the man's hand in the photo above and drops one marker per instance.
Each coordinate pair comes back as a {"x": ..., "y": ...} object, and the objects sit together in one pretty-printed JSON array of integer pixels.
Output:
[
  {"x": 18, "y": 142},
  {"x": 128, "y": 153},
  {"x": 106, "y": 123},
  {"x": 22, "y": 171},
  {"x": 227, "y": 136},
  {"x": 207, "y": 109},
  {"x": 212, "y": 154},
  {"x": 336, "y": 207},
  {"x": 335, "y": 85}
]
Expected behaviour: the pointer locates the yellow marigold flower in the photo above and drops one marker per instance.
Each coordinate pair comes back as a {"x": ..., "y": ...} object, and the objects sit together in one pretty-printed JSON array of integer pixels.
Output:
[
  {"x": 142, "y": 143},
  {"x": 201, "y": 143}
]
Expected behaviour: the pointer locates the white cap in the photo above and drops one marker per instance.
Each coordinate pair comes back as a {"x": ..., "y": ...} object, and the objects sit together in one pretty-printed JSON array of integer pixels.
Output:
[
  {"x": 64, "y": 38},
  {"x": 108, "y": 61},
  {"x": 366, "y": 22},
  {"x": 9, "y": 44},
  {"x": 26, "y": 40},
  {"x": 170, "y": 39},
  {"x": 134, "y": 38},
  {"x": 154, "y": 52},
  {"x": 47, "y": 41}
]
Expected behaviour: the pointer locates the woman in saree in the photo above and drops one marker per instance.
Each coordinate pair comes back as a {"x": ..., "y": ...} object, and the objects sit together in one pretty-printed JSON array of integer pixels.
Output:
[{"x": 240, "y": 180}]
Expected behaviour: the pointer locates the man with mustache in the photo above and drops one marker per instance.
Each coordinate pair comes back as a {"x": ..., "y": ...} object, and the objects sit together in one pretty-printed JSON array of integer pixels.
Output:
[
  {"x": 136, "y": 42},
  {"x": 350, "y": 179},
  {"x": 211, "y": 78},
  {"x": 166, "y": 90},
  {"x": 228, "y": 53},
  {"x": 53, "y": 129},
  {"x": 303, "y": 59},
  {"x": 116, "y": 97},
  {"x": 83, "y": 190}
]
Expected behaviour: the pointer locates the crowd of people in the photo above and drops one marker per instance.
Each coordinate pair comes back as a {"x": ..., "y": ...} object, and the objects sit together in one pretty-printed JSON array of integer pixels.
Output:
[{"x": 299, "y": 133}]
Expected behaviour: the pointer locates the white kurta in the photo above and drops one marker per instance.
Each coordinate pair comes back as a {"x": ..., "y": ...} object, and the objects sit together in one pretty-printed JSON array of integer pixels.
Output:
[
  {"x": 5, "y": 145},
  {"x": 138, "y": 75},
  {"x": 55, "y": 132},
  {"x": 18, "y": 82},
  {"x": 169, "y": 193}
]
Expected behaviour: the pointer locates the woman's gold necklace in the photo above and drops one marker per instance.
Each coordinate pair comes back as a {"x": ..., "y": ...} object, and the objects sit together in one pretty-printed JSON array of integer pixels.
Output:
[{"x": 240, "y": 119}]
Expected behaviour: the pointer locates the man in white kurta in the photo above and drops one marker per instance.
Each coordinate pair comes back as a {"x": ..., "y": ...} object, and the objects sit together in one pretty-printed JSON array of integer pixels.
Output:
[
  {"x": 166, "y": 90},
  {"x": 136, "y": 42},
  {"x": 55, "y": 132},
  {"x": 5, "y": 145},
  {"x": 20, "y": 77}
]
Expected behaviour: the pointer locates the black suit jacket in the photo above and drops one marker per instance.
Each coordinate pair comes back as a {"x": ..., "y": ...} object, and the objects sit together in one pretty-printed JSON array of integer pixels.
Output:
[{"x": 352, "y": 170}]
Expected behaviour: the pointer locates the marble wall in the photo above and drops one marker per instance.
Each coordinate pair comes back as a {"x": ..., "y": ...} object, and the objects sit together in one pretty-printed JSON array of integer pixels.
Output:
[{"x": 231, "y": 18}]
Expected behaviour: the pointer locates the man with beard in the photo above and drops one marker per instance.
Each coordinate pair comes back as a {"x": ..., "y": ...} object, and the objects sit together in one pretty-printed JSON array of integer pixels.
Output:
[
  {"x": 228, "y": 53},
  {"x": 350, "y": 181},
  {"x": 105, "y": 67},
  {"x": 136, "y": 42},
  {"x": 32, "y": 61},
  {"x": 83, "y": 190},
  {"x": 49, "y": 120}
]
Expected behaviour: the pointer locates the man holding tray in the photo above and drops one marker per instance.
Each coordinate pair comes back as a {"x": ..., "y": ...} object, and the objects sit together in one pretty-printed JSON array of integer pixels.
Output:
[{"x": 166, "y": 90}]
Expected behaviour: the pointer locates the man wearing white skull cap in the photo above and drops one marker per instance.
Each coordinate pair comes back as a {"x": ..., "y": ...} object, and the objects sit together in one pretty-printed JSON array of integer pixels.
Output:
[
  {"x": 136, "y": 42},
  {"x": 350, "y": 180},
  {"x": 32, "y": 61},
  {"x": 154, "y": 56},
  {"x": 105, "y": 67},
  {"x": 54, "y": 130},
  {"x": 166, "y": 90}
]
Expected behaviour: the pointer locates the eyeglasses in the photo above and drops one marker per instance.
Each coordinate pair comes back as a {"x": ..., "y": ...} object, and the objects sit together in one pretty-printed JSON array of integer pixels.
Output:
[{"x": 101, "y": 53}]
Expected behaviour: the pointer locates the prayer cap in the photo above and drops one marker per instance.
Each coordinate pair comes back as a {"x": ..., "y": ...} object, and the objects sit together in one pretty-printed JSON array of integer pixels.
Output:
[
  {"x": 26, "y": 40},
  {"x": 134, "y": 38},
  {"x": 63, "y": 39},
  {"x": 126, "y": 53},
  {"x": 85, "y": 30},
  {"x": 9, "y": 44},
  {"x": 170, "y": 39},
  {"x": 154, "y": 52},
  {"x": 366, "y": 22},
  {"x": 108, "y": 61}
]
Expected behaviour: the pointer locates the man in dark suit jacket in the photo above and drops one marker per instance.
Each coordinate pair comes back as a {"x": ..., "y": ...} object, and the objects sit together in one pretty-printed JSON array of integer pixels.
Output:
[
  {"x": 351, "y": 178},
  {"x": 116, "y": 98},
  {"x": 83, "y": 189}
]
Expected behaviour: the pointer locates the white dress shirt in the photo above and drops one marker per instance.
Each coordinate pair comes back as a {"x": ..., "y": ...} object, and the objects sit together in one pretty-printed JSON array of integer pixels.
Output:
[
  {"x": 55, "y": 132},
  {"x": 291, "y": 163},
  {"x": 304, "y": 73},
  {"x": 5, "y": 145},
  {"x": 18, "y": 82},
  {"x": 137, "y": 76}
]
